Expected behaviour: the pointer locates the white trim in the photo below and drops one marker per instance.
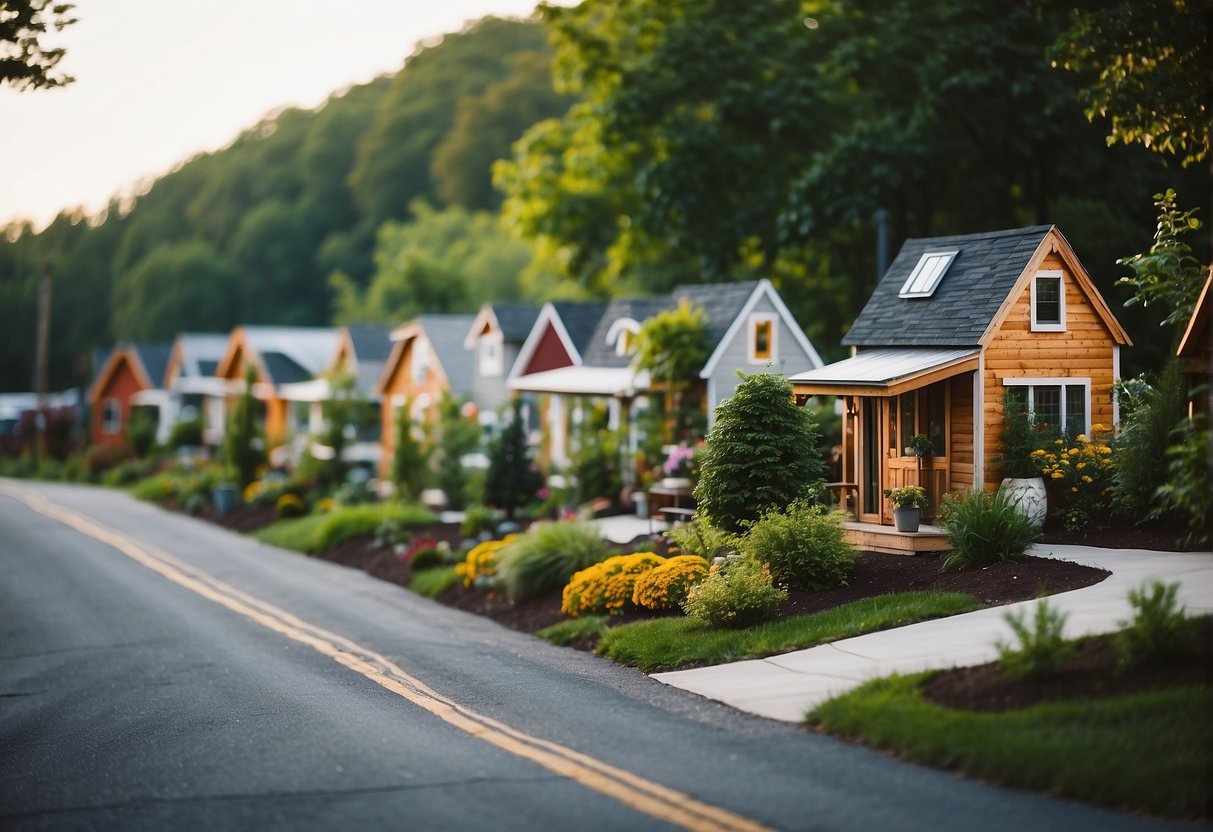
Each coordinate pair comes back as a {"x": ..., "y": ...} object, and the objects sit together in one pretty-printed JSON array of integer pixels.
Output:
[
  {"x": 547, "y": 314},
  {"x": 979, "y": 424},
  {"x": 558, "y": 431},
  {"x": 940, "y": 262},
  {"x": 419, "y": 360},
  {"x": 753, "y": 321},
  {"x": 1033, "y": 382},
  {"x": 111, "y": 407},
  {"x": 615, "y": 335},
  {"x": 764, "y": 287},
  {"x": 1115, "y": 378},
  {"x": 485, "y": 317},
  {"x": 490, "y": 366},
  {"x": 711, "y": 392},
  {"x": 1060, "y": 326}
]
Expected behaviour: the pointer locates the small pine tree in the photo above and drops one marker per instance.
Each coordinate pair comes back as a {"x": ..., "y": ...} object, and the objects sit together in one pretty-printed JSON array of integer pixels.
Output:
[
  {"x": 761, "y": 453},
  {"x": 410, "y": 458},
  {"x": 512, "y": 479},
  {"x": 244, "y": 446},
  {"x": 458, "y": 436}
]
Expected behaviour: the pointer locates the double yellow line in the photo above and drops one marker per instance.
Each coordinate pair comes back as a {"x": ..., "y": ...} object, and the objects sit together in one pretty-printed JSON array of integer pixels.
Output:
[{"x": 629, "y": 789}]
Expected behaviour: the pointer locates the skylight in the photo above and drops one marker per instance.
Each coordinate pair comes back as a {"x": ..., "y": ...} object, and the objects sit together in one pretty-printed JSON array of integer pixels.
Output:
[{"x": 926, "y": 275}]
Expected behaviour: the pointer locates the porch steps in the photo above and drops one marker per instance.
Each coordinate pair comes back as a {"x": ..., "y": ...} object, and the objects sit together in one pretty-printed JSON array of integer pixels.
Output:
[{"x": 873, "y": 537}]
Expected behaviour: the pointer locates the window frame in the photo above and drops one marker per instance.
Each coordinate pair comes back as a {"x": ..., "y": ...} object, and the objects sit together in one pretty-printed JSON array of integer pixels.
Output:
[
  {"x": 111, "y": 416},
  {"x": 1050, "y": 326},
  {"x": 490, "y": 360},
  {"x": 927, "y": 289},
  {"x": 419, "y": 360},
  {"x": 756, "y": 320},
  {"x": 1063, "y": 382}
]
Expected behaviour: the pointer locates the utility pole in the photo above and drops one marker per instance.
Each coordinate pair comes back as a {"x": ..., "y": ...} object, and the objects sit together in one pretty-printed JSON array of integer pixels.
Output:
[{"x": 44, "y": 336}]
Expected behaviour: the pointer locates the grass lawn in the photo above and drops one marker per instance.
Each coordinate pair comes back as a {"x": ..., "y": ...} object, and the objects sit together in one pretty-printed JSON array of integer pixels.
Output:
[
  {"x": 326, "y": 530},
  {"x": 672, "y": 643},
  {"x": 433, "y": 582},
  {"x": 1148, "y": 752},
  {"x": 575, "y": 629}
]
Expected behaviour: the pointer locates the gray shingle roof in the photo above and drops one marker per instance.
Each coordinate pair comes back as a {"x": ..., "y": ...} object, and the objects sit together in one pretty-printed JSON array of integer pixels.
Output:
[
  {"x": 446, "y": 334},
  {"x": 601, "y": 354},
  {"x": 282, "y": 369},
  {"x": 580, "y": 319},
  {"x": 515, "y": 320},
  {"x": 966, "y": 300},
  {"x": 720, "y": 301},
  {"x": 155, "y": 360},
  {"x": 371, "y": 343}
]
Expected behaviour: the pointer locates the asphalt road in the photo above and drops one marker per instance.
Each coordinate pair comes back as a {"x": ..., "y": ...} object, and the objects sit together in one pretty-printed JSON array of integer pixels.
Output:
[{"x": 175, "y": 675}]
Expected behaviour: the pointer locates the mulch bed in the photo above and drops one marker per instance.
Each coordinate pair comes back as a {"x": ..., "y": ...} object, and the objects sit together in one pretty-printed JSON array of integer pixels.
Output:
[
  {"x": 1093, "y": 672},
  {"x": 1118, "y": 532}
]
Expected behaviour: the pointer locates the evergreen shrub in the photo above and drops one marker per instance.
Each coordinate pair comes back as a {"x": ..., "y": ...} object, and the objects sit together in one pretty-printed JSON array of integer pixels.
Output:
[
  {"x": 802, "y": 546},
  {"x": 739, "y": 593}
]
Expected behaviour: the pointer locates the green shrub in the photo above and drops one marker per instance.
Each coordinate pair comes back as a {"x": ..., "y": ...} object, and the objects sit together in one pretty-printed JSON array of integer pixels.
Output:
[
  {"x": 478, "y": 519},
  {"x": 984, "y": 527},
  {"x": 665, "y": 587},
  {"x": 1158, "y": 630},
  {"x": 699, "y": 537},
  {"x": 606, "y": 587},
  {"x": 802, "y": 546},
  {"x": 186, "y": 433},
  {"x": 324, "y": 531},
  {"x": 740, "y": 594},
  {"x": 1042, "y": 650},
  {"x": 290, "y": 505},
  {"x": 547, "y": 556},
  {"x": 1187, "y": 493},
  {"x": 761, "y": 453},
  {"x": 512, "y": 480},
  {"x": 434, "y": 582},
  {"x": 1149, "y": 413},
  {"x": 195, "y": 504},
  {"x": 427, "y": 557}
]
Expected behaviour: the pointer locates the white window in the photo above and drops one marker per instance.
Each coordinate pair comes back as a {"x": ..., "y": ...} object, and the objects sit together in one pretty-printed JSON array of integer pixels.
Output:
[
  {"x": 490, "y": 347},
  {"x": 1048, "y": 302},
  {"x": 622, "y": 335},
  {"x": 763, "y": 339},
  {"x": 421, "y": 359},
  {"x": 1062, "y": 404},
  {"x": 111, "y": 416},
  {"x": 925, "y": 278}
]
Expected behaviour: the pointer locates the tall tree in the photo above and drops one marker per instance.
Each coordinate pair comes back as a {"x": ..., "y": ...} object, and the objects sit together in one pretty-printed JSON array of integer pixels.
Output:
[{"x": 26, "y": 62}]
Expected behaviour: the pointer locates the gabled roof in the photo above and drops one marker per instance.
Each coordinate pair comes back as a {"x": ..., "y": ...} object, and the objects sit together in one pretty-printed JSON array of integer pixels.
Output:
[
  {"x": 966, "y": 301},
  {"x": 300, "y": 352},
  {"x": 600, "y": 352},
  {"x": 445, "y": 334},
  {"x": 573, "y": 323},
  {"x": 728, "y": 305},
  {"x": 147, "y": 361},
  {"x": 195, "y": 355},
  {"x": 370, "y": 346},
  {"x": 1195, "y": 339},
  {"x": 513, "y": 320}
]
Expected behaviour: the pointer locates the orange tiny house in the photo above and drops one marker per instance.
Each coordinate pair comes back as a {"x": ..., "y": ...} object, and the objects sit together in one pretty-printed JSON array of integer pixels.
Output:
[{"x": 953, "y": 325}]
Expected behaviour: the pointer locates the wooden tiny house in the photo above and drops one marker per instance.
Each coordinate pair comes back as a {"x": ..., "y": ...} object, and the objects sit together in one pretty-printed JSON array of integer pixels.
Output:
[
  {"x": 954, "y": 325},
  {"x": 131, "y": 376}
]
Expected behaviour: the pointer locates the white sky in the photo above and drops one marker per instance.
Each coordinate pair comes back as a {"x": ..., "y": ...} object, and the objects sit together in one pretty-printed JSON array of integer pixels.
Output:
[{"x": 158, "y": 81}]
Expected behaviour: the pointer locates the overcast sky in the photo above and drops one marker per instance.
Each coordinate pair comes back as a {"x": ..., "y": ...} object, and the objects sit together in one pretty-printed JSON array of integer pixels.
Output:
[{"x": 158, "y": 81}]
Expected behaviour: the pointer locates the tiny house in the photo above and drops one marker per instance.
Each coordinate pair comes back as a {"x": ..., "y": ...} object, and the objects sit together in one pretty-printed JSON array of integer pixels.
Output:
[{"x": 953, "y": 326}]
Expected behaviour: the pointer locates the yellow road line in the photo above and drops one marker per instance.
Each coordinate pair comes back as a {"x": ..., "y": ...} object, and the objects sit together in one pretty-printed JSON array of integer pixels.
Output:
[{"x": 634, "y": 791}]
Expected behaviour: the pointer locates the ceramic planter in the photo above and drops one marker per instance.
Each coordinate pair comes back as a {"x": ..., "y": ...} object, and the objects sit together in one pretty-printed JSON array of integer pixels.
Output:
[
  {"x": 1028, "y": 496},
  {"x": 907, "y": 519}
]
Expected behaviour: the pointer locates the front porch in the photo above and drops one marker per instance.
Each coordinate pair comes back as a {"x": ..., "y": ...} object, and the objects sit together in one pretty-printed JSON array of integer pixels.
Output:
[{"x": 874, "y": 537}]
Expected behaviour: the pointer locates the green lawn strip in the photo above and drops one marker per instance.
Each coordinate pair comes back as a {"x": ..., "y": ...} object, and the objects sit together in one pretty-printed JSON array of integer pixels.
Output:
[
  {"x": 314, "y": 532},
  {"x": 433, "y": 582},
  {"x": 569, "y": 631},
  {"x": 671, "y": 643},
  {"x": 1148, "y": 752}
]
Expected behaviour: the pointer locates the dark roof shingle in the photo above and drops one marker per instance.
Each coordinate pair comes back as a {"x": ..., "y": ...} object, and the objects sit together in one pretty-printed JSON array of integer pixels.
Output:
[{"x": 966, "y": 300}]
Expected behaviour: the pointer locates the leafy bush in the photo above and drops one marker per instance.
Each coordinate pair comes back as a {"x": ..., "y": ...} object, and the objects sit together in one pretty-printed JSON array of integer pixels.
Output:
[
  {"x": 1159, "y": 629},
  {"x": 802, "y": 546},
  {"x": 410, "y": 468},
  {"x": 1019, "y": 439},
  {"x": 290, "y": 505},
  {"x": 1081, "y": 473},
  {"x": 665, "y": 587},
  {"x": 984, "y": 527},
  {"x": 478, "y": 519},
  {"x": 1187, "y": 493},
  {"x": 195, "y": 504},
  {"x": 543, "y": 559},
  {"x": 425, "y": 554},
  {"x": 324, "y": 531},
  {"x": 740, "y": 594},
  {"x": 699, "y": 537},
  {"x": 761, "y": 453},
  {"x": 1042, "y": 650},
  {"x": 480, "y": 563},
  {"x": 122, "y": 474},
  {"x": 606, "y": 587},
  {"x": 100, "y": 458},
  {"x": 185, "y": 433},
  {"x": 434, "y": 582},
  {"x": 1149, "y": 413},
  {"x": 243, "y": 444}
]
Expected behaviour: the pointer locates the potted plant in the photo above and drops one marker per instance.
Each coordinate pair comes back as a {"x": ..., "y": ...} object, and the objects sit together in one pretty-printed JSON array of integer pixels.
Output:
[
  {"x": 908, "y": 503},
  {"x": 678, "y": 467},
  {"x": 1022, "y": 482}
]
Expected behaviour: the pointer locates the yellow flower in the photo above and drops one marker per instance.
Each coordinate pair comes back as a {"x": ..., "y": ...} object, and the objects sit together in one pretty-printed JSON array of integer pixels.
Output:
[
  {"x": 1058, "y": 475},
  {"x": 1085, "y": 478},
  {"x": 1081, "y": 465},
  {"x": 1074, "y": 489},
  {"x": 1082, "y": 437}
]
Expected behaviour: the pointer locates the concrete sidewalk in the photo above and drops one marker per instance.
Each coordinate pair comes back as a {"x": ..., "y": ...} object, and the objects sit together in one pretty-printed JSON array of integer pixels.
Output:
[{"x": 786, "y": 687}]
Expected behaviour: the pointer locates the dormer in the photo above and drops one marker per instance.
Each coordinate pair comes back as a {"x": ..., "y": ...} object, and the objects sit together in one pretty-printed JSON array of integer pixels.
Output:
[{"x": 622, "y": 336}]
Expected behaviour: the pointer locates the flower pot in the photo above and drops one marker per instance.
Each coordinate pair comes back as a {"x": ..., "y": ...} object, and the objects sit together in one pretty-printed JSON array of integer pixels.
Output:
[
  {"x": 1028, "y": 496},
  {"x": 907, "y": 519},
  {"x": 225, "y": 498}
]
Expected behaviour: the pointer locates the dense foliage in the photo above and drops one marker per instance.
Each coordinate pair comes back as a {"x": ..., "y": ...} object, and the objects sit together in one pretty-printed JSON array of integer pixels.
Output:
[
  {"x": 984, "y": 527},
  {"x": 761, "y": 453},
  {"x": 543, "y": 559},
  {"x": 802, "y": 546},
  {"x": 513, "y": 480},
  {"x": 739, "y": 593}
]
